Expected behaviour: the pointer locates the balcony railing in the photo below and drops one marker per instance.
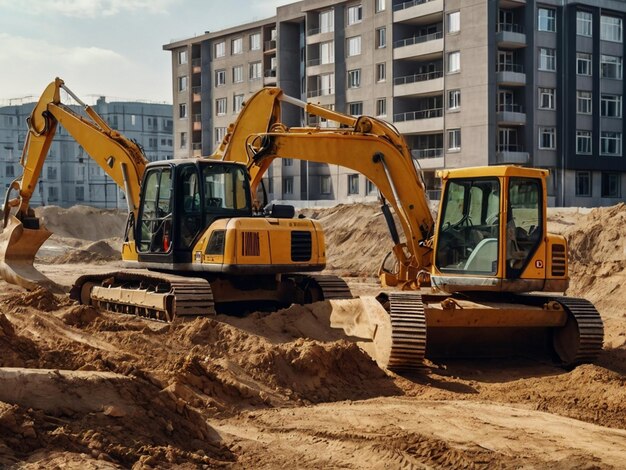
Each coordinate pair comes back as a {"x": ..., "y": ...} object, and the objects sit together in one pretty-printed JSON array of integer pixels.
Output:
[
  {"x": 270, "y": 73},
  {"x": 196, "y": 146},
  {"x": 418, "y": 39},
  {"x": 420, "y": 77},
  {"x": 507, "y": 67},
  {"x": 197, "y": 118},
  {"x": 510, "y": 28},
  {"x": 320, "y": 92},
  {"x": 269, "y": 45},
  {"x": 313, "y": 62},
  {"x": 405, "y": 5},
  {"x": 416, "y": 115},
  {"x": 196, "y": 90},
  {"x": 427, "y": 153},
  {"x": 509, "y": 148},
  {"x": 509, "y": 108},
  {"x": 196, "y": 62}
]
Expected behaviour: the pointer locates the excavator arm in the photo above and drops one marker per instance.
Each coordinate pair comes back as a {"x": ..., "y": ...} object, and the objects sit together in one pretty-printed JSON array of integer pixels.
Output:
[
  {"x": 364, "y": 144},
  {"x": 121, "y": 158}
]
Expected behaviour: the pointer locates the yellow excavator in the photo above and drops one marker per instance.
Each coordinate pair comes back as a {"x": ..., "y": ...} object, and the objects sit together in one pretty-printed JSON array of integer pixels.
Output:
[{"x": 200, "y": 243}]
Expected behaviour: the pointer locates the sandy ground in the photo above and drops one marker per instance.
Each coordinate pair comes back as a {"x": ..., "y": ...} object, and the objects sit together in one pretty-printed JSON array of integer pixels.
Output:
[{"x": 83, "y": 388}]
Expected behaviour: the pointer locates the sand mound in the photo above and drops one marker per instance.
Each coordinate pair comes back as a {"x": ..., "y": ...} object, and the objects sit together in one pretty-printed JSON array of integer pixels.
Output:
[
  {"x": 96, "y": 252},
  {"x": 87, "y": 223},
  {"x": 40, "y": 299}
]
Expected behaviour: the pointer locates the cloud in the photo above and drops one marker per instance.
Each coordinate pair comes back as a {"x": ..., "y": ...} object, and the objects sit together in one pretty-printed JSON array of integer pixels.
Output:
[
  {"x": 89, "y": 8},
  {"x": 86, "y": 70}
]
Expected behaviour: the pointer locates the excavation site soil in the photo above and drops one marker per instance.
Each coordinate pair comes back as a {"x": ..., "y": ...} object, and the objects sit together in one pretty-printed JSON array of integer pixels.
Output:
[{"x": 86, "y": 389}]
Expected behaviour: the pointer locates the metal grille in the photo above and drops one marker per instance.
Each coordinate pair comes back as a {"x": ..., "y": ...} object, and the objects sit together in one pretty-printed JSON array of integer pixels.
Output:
[
  {"x": 558, "y": 260},
  {"x": 250, "y": 244},
  {"x": 300, "y": 245}
]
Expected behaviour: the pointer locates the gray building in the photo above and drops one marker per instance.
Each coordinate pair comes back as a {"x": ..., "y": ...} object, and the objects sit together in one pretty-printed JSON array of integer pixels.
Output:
[
  {"x": 69, "y": 175},
  {"x": 485, "y": 82}
]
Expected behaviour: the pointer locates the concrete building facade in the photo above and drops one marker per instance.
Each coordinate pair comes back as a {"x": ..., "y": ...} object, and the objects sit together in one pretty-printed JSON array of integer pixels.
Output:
[
  {"x": 468, "y": 83},
  {"x": 69, "y": 175}
]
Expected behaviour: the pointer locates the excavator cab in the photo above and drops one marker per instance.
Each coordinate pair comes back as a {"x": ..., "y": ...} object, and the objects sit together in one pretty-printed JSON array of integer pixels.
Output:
[
  {"x": 492, "y": 233},
  {"x": 181, "y": 199}
]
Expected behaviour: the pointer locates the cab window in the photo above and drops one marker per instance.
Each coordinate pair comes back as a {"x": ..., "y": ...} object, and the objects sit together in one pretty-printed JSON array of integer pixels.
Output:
[{"x": 155, "y": 219}]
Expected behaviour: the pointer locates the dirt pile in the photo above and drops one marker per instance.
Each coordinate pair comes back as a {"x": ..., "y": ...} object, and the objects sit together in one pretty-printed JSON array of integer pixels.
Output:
[
  {"x": 97, "y": 252},
  {"x": 84, "y": 222}
]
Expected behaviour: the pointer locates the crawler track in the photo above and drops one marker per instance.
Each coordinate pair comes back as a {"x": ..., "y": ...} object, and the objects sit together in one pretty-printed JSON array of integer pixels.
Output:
[
  {"x": 408, "y": 331},
  {"x": 332, "y": 287}
]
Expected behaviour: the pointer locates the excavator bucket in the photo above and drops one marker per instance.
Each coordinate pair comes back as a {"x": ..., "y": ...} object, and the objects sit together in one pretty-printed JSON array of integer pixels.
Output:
[{"x": 18, "y": 247}]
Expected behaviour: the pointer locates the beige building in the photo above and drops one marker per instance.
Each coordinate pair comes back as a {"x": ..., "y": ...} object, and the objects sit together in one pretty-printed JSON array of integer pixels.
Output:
[{"x": 466, "y": 82}]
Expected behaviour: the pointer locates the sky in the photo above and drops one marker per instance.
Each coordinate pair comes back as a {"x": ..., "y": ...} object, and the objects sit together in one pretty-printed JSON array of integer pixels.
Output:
[{"x": 110, "y": 48}]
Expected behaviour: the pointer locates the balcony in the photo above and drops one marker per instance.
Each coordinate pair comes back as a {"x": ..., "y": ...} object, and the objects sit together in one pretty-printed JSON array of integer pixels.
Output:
[
  {"x": 507, "y": 4},
  {"x": 419, "y": 84},
  {"x": 419, "y": 122},
  {"x": 418, "y": 11},
  {"x": 196, "y": 65},
  {"x": 510, "y": 36},
  {"x": 315, "y": 35},
  {"x": 429, "y": 159},
  {"x": 196, "y": 149},
  {"x": 510, "y": 74},
  {"x": 197, "y": 122},
  {"x": 511, "y": 154},
  {"x": 320, "y": 92},
  {"x": 270, "y": 45},
  {"x": 195, "y": 94},
  {"x": 269, "y": 77},
  {"x": 510, "y": 114},
  {"x": 419, "y": 46}
]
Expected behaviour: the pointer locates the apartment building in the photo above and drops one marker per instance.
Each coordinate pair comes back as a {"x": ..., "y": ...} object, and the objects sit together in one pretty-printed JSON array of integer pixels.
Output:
[
  {"x": 69, "y": 175},
  {"x": 481, "y": 82}
]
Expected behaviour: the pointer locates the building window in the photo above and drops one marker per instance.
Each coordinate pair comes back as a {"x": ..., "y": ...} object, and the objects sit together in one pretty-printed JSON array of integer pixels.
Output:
[
  {"x": 355, "y": 14},
  {"x": 546, "y": 20},
  {"x": 325, "y": 184},
  {"x": 610, "y": 185},
  {"x": 220, "y": 106},
  {"x": 182, "y": 83},
  {"x": 547, "y": 138},
  {"x": 381, "y": 38},
  {"x": 610, "y": 143},
  {"x": 353, "y": 184},
  {"x": 220, "y": 49},
  {"x": 583, "y": 142},
  {"x": 288, "y": 185},
  {"x": 611, "y": 106},
  {"x": 255, "y": 71},
  {"x": 380, "y": 6},
  {"x": 546, "y": 98},
  {"x": 220, "y": 77},
  {"x": 53, "y": 193},
  {"x": 52, "y": 173},
  {"x": 583, "y": 63},
  {"x": 10, "y": 170},
  {"x": 354, "y": 46},
  {"x": 238, "y": 74},
  {"x": 255, "y": 41},
  {"x": 220, "y": 133},
  {"x": 182, "y": 110},
  {"x": 454, "y": 139},
  {"x": 583, "y": 102},
  {"x": 381, "y": 72},
  {"x": 583, "y": 183},
  {"x": 79, "y": 193},
  {"x": 454, "y": 99},
  {"x": 236, "y": 46},
  {"x": 237, "y": 103},
  {"x": 454, "y": 62},
  {"x": 287, "y": 162},
  {"x": 327, "y": 84},
  {"x": 611, "y": 66},
  {"x": 354, "y": 78},
  {"x": 583, "y": 23},
  {"x": 182, "y": 57},
  {"x": 381, "y": 107},
  {"x": 369, "y": 187},
  {"x": 454, "y": 22},
  {"x": 356, "y": 108},
  {"x": 183, "y": 140},
  {"x": 611, "y": 28},
  {"x": 547, "y": 59},
  {"x": 327, "y": 52},
  {"x": 327, "y": 21}
]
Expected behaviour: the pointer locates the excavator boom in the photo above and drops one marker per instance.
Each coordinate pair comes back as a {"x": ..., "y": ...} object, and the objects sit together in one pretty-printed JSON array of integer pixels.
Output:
[{"x": 121, "y": 158}]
